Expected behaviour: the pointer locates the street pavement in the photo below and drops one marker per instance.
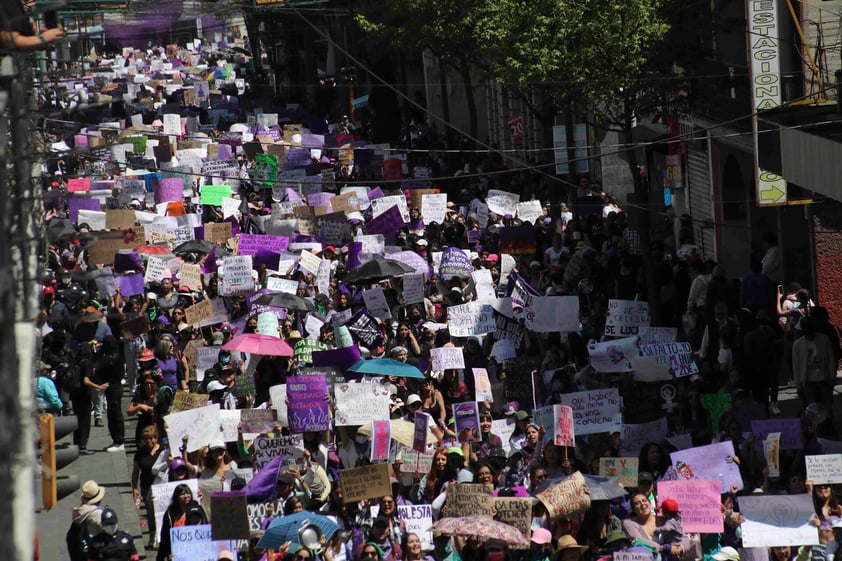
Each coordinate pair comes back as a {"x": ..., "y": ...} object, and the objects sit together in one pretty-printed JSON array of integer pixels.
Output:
[{"x": 112, "y": 470}]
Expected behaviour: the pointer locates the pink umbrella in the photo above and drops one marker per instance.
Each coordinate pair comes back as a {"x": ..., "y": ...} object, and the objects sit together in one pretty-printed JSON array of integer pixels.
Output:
[
  {"x": 481, "y": 528},
  {"x": 258, "y": 344}
]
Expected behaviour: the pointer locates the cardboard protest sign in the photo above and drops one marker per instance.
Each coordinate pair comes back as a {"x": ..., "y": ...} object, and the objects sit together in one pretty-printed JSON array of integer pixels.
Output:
[
  {"x": 200, "y": 424},
  {"x": 446, "y": 358},
  {"x": 366, "y": 482},
  {"x": 625, "y": 317},
  {"x": 714, "y": 462},
  {"x": 469, "y": 499},
  {"x": 162, "y": 498},
  {"x": 778, "y": 520},
  {"x": 418, "y": 519},
  {"x": 230, "y": 516},
  {"x": 291, "y": 448},
  {"x": 217, "y": 232},
  {"x": 824, "y": 468},
  {"x": 308, "y": 406},
  {"x": 473, "y": 318},
  {"x": 566, "y": 497},
  {"x": 699, "y": 501},
  {"x": 119, "y": 219},
  {"x": 594, "y": 411},
  {"x": 624, "y": 469},
  {"x": 184, "y": 401},
  {"x": 516, "y": 511},
  {"x": 360, "y": 404}
]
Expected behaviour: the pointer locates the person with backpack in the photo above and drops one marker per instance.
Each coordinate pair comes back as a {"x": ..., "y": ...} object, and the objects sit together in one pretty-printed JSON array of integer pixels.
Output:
[
  {"x": 87, "y": 521},
  {"x": 112, "y": 544}
]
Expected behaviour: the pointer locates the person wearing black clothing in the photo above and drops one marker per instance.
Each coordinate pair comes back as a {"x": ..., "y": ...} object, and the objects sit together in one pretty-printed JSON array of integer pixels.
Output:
[
  {"x": 80, "y": 397},
  {"x": 112, "y": 544},
  {"x": 108, "y": 371},
  {"x": 17, "y": 32}
]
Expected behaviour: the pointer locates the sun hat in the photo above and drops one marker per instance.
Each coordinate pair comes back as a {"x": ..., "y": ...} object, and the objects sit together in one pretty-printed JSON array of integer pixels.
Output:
[
  {"x": 91, "y": 492},
  {"x": 568, "y": 542},
  {"x": 727, "y": 554}
]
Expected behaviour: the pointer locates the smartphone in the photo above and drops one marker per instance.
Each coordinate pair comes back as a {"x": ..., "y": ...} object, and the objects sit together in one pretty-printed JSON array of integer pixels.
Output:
[{"x": 781, "y": 288}]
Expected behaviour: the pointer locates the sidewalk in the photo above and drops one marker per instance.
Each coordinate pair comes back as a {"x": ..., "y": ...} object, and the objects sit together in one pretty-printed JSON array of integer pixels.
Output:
[{"x": 112, "y": 471}]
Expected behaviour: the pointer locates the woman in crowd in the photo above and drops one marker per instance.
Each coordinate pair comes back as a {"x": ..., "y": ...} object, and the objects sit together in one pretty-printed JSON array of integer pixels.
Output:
[
  {"x": 642, "y": 524},
  {"x": 183, "y": 511},
  {"x": 143, "y": 475}
]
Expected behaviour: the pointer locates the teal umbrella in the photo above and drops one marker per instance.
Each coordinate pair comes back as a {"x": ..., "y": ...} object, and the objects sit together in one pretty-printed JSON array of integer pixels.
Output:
[{"x": 386, "y": 367}]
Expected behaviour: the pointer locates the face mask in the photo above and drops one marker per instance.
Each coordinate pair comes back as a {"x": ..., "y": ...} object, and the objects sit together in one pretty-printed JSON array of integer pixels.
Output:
[
  {"x": 109, "y": 529},
  {"x": 361, "y": 440},
  {"x": 225, "y": 360}
]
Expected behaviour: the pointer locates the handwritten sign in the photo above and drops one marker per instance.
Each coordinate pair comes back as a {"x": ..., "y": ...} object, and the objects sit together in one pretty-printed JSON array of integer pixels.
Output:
[
  {"x": 594, "y": 411},
  {"x": 625, "y": 317},
  {"x": 637, "y": 434},
  {"x": 714, "y": 462},
  {"x": 446, "y": 358},
  {"x": 237, "y": 277},
  {"x": 375, "y": 303},
  {"x": 360, "y": 404},
  {"x": 563, "y": 425},
  {"x": 624, "y": 469},
  {"x": 469, "y": 499},
  {"x": 699, "y": 501},
  {"x": 434, "y": 207},
  {"x": 413, "y": 288},
  {"x": 366, "y": 482},
  {"x": 162, "y": 497},
  {"x": 213, "y": 194},
  {"x": 251, "y": 244},
  {"x": 201, "y": 425},
  {"x": 553, "y": 314},
  {"x": 184, "y": 401},
  {"x": 614, "y": 355},
  {"x": 824, "y": 468},
  {"x": 193, "y": 543},
  {"x": 566, "y": 497},
  {"x": 778, "y": 520},
  {"x": 515, "y": 511},
  {"x": 418, "y": 519},
  {"x": 473, "y": 318},
  {"x": 258, "y": 420},
  {"x": 308, "y": 408},
  {"x": 289, "y": 447},
  {"x": 454, "y": 263}
]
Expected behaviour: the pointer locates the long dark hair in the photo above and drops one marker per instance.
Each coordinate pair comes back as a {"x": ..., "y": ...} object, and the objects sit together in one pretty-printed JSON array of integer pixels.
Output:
[{"x": 175, "y": 504}]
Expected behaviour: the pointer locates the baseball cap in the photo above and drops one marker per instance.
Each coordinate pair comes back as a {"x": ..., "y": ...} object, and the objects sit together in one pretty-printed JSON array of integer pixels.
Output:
[
  {"x": 541, "y": 536},
  {"x": 727, "y": 554},
  {"x": 109, "y": 517},
  {"x": 645, "y": 476},
  {"x": 216, "y": 386},
  {"x": 669, "y": 505},
  {"x": 413, "y": 399},
  {"x": 216, "y": 445},
  {"x": 521, "y": 415},
  {"x": 177, "y": 463}
]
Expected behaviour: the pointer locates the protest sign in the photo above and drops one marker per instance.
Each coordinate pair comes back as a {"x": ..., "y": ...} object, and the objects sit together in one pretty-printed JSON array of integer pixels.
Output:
[
  {"x": 772, "y": 453},
  {"x": 78, "y": 184},
  {"x": 418, "y": 519},
  {"x": 184, "y": 401},
  {"x": 625, "y": 317},
  {"x": 634, "y": 436},
  {"x": 386, "y": 223},
  {"x": 714, "y": 462},
  {"x": 515, "y": 511},
  {"x": 192, "y": 543},
  {"x": 381, "y": 436},
  {"x": 790, "y": 429},
  {"x": 446, "y": 358},
  {"x": 119, "y": 219},
  {"x": 482, "y": 385},
  {"x": 434, "y": 207},
  {"x": 469, "y": 499},
  {"x": 291, "y": 448},
  {"x": 213, "y": 194},
  {"x": 156, "y": 270},
  {"x": 375, "y": 303},
  {"x": 384, "y": 204},
  {"x": 553, "y": 314},
  {"x": 624, "y": 469},
  {"x": 251, "y": 244},
  {"x": 613, "y": 355},
  {"x": 824, "y": 468},
  {"x": 651, "y": 368},
  {"x": 238, "y": 275},
  {"x": 454, "y": 263},
  {"x": 162, "y": 495},
  {"x": 563, "y": 426},
  {"x": 778, "y": 520},
  {"x": 473, "y": 318},
  {"x": 217, "y": 232},
  {"x": 419, "y": 433},
  {"x": 566, "y": 497},
  {"x": 305, "y": 348},
  {"x": 191, "y": 276},
  {"x": 258, "y": 420},
  {"x": 366, "y": 482},
  {"x": 359, "y": 404},
  {"x": 364, "y": 328},
  {"x": 267, "y": 324},
  {"x": 195, "y": 314},
  {"x": 530, "y": 211},
  {"x": 308, "y": 405},
  {"x": 594, "y": 411},
  {"x": 466, "y": 415},
  {"x": 699, "y": 501},
  {"x": 230, "y": 516},
  {"x": 502, "y": 202},
  {"x": 413, "y": 288},
  {"x": 201, "y": 425},
  {"x": 309, "y": 261},
  {"x": 278, "y": 396},
  {"x": 229, "y": 420},
  {"x": 656, "y": 335}
]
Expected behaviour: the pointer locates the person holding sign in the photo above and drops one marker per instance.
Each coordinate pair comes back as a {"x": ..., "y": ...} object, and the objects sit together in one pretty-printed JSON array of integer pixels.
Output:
[
  {"x": 487, "y": 442},
  {"x": 824, "y": 498},
  {"x": 183, "y": 511}
]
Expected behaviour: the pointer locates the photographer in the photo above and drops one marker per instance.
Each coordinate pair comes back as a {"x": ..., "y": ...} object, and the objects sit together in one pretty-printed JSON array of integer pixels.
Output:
[{"x": 17, "y": 31}]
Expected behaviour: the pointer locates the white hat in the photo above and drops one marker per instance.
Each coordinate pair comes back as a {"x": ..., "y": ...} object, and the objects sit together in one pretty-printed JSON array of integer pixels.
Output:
[
  {"x": 727, "y": 554},
  {"x": 412, "y": 399},
  {"x": 216, "y": 386},
  {"x": 92, "y": 492},
  {"x": 421, "y": 241},
  {"x": 216, "y": 445}
]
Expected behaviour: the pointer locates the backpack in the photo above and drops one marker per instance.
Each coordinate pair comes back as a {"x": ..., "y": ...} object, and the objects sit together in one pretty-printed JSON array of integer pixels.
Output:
[{"x": 77, "y": 543}]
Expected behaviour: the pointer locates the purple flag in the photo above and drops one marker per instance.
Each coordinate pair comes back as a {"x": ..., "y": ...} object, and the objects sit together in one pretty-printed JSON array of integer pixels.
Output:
[
  {"x": 210, "y": 265},
  {"x": 343, "y": 357},
  {"x": 131, "y": 285},
  {"x": 76, "y": 205},
  {"x": 386, "y": 223},
  {"x": 354, "y": 250},
  {"x": 261, "y": 488}
]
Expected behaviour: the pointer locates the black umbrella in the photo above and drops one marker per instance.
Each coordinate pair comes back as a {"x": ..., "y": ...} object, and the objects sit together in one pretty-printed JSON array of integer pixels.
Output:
[
  {"x": 377, "y": 270},
  {"x": 193, "y": 246},
  {"x": 60, "y": 228},
  {"x": 285, "y": 300}
]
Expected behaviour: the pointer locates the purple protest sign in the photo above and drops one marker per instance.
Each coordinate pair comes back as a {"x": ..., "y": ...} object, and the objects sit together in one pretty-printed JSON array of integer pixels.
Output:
[
  {"x": 223, "y": 152},
  {"x": 419, "y": 436},
  {"x": 790, "y": 429},
  {"x": 455, "y": 263},
  {"x": 298, "y": 157},
  {"x": 354, "y": 250},
  {"x": 292, "y": 195},
  {"x": 344, "y": 357},
  {"x": 250, "y": 244},
  {"x": 169, "y": 189},
  {"x": 375, "y": 193},
  {"x": 381, "y": 435},
  {"x": 131, "y": 285},
  {"x": 76, "y": 205},
  {"x": 387, "y": 223},
  {"x": 412, "y": 259},
  {"x": 267, "y": 258},
  {"x": 308, "y": 406},
  {"x": 474, "y": 236},
  {"x": 320, "y": 199},
  {"x": 467, "y": 418},
  {"x": 312, "y": 140}
]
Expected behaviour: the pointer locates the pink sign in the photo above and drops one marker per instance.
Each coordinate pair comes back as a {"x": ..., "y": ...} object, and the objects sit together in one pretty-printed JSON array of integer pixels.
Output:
[
  {"x": 381, "y": 435},
  {"x": 563, "y": 419},
  {"x": 698, "y": 502},
  {"x": 78, "y": 184},
  {"x": 169, "y": 189}
]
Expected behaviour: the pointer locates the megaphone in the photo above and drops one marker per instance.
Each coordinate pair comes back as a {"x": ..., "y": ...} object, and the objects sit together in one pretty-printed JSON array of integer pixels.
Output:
[{"x": 311, "y": 537}]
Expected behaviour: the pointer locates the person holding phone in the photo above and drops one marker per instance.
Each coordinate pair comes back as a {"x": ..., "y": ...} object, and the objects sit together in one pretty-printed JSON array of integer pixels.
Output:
[{"x": 17, "y": 31}]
